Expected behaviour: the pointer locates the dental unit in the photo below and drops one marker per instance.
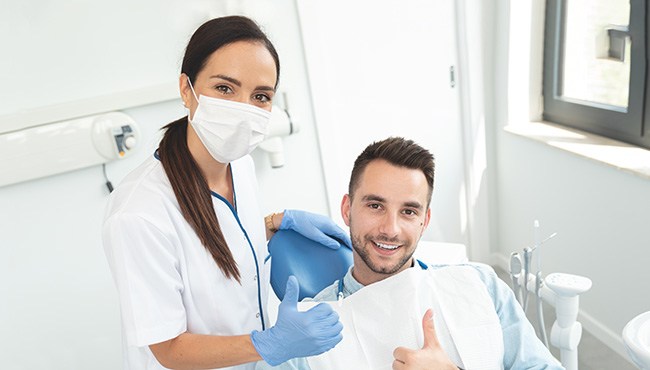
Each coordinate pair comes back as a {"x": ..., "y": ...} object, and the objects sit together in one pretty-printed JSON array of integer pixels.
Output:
[{"x": 560, "y": 290}]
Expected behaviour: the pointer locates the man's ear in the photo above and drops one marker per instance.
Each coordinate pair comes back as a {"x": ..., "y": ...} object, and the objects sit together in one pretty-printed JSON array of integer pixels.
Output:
[
  {"x": 345, "y": 209},
  {"x": 427, "y": 218}
]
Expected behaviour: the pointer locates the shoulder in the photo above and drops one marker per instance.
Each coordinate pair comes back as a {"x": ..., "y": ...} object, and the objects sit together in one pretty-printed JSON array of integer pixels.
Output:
[
  {"x": 484, "y": 272},
  {"x": 143, "y": 188},
  {"x": 144, "y": 196},
  {"x": 497, "y": 289}
]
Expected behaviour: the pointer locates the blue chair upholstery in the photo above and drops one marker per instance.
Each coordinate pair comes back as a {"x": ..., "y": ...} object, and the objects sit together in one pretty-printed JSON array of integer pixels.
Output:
[{"x": 314, "y": 265}]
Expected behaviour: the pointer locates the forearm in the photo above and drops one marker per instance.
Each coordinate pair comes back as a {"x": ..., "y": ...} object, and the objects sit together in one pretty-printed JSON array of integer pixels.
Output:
[
  {"x": 195, "y": 351},
  {"x": 272, "y": 223}
]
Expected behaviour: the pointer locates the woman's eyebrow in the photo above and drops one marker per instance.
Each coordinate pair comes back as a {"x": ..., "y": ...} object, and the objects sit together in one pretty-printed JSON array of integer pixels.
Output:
[
  {"x": 238, "y": 83},
  {"x": 228, "y": 78}
]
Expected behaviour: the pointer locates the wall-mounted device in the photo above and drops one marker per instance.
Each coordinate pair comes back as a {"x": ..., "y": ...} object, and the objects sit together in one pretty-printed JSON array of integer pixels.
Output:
[
  {"x": 280, "y": 125},
  {"x": 65, "y": 146}
]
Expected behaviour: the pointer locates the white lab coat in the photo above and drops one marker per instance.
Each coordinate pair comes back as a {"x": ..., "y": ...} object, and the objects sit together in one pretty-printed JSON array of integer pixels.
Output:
[{"x": 168, "y": 283}]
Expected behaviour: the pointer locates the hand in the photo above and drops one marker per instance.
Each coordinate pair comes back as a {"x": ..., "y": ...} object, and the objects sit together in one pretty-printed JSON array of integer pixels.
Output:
[
  {"x": 298, "y": 334},
  {"x": 315, "y": 227},
  {"x": 431, "y": 356}
]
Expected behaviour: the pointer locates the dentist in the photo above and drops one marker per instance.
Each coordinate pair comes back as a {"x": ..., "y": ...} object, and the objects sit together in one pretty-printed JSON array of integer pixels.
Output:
[{"x": 183, "y": 233}]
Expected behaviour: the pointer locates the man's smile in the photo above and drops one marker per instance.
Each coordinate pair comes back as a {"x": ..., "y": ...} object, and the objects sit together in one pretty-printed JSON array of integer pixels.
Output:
[{"x": 385, "y": 246}]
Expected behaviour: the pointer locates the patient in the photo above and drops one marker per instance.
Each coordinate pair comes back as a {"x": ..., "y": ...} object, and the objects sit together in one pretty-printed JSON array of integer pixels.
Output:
[{"x": 387, "y": 210}]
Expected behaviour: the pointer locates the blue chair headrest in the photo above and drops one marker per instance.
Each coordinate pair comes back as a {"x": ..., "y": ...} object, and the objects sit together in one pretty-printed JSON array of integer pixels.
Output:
[{"x": 313, "y": 264}]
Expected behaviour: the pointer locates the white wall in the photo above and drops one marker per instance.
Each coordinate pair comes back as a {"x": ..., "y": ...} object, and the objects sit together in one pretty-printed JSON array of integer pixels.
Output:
[
  {"x": 600, "y": 213},
  {"x": 71, "y": 51},
  {"x": 384, "y": 70}
]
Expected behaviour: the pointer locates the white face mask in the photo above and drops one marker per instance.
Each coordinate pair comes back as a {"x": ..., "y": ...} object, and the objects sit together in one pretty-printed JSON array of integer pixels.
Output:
[{"x": 229, "y": 130}]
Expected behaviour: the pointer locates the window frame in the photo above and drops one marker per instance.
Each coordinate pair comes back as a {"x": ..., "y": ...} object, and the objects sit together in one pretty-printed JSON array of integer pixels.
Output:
[{"x": 623, "y": 124}]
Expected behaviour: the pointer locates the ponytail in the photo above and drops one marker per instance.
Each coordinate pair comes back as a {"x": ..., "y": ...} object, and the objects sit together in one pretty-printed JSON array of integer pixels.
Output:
[{"x": 193, "y": 195}]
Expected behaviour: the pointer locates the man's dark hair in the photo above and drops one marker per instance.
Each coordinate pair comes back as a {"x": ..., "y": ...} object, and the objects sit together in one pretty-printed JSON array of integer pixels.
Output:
[{"x": 398, "y": 152}]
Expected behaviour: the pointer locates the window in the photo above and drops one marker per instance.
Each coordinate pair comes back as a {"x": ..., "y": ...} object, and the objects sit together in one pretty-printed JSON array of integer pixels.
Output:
[{"x": 595, "y": 68}]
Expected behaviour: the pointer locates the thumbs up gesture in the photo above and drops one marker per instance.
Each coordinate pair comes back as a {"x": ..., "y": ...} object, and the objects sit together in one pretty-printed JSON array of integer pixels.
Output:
[
  {"x": 431, "y": 356},
  {"x": 298, "y": 334}
]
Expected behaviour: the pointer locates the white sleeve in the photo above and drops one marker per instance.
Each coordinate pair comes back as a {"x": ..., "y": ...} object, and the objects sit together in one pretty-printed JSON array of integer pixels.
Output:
[{"x": 145, "y": 268}]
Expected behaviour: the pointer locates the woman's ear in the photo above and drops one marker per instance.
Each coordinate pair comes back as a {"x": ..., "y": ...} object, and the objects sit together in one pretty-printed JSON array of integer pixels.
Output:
[{"x": 184, "y": 88}]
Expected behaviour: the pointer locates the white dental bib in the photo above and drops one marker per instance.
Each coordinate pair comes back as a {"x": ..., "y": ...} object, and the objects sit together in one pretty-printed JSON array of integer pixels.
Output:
[{"x": 388, "y": 314}]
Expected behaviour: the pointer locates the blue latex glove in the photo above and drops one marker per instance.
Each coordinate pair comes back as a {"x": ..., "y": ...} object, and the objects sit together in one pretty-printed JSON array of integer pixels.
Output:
[
  {"x": 316, "y": 227},
  {"x": 298, "y": 334}
]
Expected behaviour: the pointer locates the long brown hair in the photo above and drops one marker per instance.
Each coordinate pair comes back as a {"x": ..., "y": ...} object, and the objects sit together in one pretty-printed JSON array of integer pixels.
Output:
[{"x": 187, "y": 180}]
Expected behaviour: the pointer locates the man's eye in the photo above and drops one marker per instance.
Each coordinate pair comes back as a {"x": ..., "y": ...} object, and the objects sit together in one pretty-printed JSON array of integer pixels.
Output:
[
  {"x": 410, "y": 212},
  {"x": 374, "y": 206}
]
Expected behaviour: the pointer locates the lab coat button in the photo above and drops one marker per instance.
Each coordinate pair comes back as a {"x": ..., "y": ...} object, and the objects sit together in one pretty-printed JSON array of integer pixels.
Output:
[
  {"x": 255, "y": 278},
  {"x": 257, "y": 315}
]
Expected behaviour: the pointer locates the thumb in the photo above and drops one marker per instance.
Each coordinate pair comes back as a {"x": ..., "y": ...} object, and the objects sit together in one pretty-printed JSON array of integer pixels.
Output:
[
  {"x": 347, "y": 241},
  {"x": 291, "y": 291},
  {"x": 319, "y": 236},
  {"x": 339, "y": 237},
  {"x": 330, "y": 242},
  {"x": 429, "y": 328}
]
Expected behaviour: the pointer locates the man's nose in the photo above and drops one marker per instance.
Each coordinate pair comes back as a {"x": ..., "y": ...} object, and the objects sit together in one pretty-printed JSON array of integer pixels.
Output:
[{"x": 390, "y": 224}]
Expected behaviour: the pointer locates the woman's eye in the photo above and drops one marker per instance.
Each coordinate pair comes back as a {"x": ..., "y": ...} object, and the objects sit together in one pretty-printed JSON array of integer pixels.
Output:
[
  {"x": 224, "y": 89},
  {"x": 262, "y": 98}
]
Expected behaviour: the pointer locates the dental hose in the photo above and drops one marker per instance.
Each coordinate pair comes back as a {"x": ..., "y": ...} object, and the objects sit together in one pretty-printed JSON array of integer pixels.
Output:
[
  {"x": 540, "y": 312},
  {"x": 528, "y": 252}
]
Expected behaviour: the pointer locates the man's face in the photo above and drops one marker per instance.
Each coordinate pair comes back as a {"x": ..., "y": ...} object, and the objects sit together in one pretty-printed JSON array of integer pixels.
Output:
[{"x": 387, "y": 216}]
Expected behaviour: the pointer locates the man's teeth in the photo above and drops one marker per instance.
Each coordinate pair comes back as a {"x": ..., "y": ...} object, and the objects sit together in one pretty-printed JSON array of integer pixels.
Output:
[{"x": 387, "y": 246}]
